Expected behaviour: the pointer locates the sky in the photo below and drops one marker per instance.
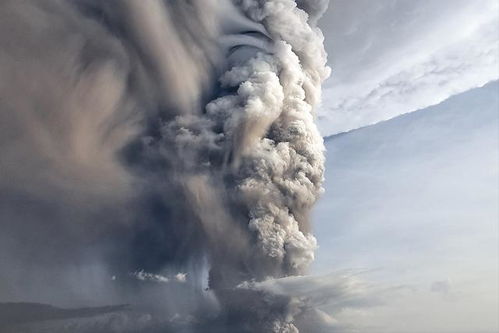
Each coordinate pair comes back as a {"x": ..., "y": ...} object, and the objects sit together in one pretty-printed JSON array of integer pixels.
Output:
[
  {"x": 407, "y": 227},
  {"x": 102, "y": 203},
  {"x": 411, "y": 208},
  {"x": 396, "y": 56}
]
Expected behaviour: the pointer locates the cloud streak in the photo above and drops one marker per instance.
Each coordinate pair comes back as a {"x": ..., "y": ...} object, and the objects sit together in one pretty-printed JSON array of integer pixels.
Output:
[{"x": 404, "y": 57}]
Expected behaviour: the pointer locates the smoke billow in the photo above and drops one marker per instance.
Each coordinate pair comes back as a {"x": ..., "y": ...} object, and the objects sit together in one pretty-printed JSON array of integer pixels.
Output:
[{"x": 140, "y": 139}]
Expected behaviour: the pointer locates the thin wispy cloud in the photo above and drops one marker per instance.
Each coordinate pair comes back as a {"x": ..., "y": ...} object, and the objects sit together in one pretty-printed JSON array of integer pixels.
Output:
[{"x": 397, "y": 57}]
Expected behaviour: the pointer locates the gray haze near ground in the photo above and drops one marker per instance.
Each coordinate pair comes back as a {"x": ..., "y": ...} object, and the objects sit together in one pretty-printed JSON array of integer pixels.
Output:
[
  {"x": 413, "y": 205},
  {"x": 140, "y": 140}
]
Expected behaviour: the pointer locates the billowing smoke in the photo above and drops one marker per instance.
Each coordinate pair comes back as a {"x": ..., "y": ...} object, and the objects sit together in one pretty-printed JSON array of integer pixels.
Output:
[{"x": 143, "y": 139}]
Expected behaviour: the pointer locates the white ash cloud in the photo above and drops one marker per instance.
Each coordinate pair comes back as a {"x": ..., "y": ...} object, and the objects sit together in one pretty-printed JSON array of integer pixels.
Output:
[{"x": 161, "y": 137}]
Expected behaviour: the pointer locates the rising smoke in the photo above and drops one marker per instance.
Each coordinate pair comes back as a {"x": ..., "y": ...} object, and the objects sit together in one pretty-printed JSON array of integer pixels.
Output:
[{"x": 160, "y": 137}]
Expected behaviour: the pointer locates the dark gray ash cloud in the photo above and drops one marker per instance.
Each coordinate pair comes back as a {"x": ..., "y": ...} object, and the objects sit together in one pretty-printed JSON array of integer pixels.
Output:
[{"x": 160, "y": 137}]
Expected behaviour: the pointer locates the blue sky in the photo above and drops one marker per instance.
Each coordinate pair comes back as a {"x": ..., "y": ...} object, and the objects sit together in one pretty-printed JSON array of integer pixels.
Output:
[{"x": 411, "y": 206}]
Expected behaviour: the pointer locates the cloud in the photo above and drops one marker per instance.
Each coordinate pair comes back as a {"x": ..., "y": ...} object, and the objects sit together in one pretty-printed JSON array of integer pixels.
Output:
[
  {"x": 181, "y": 277},
  {"x": 144, "y": 276},
  {"x": 404, "y": 56},
  {"x": 317, "y": 303},
  {"x": 133, "y": 141}
]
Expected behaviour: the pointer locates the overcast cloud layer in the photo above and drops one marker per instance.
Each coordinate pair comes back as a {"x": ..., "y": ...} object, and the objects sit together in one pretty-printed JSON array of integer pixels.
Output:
[{"x": 397, "y": 56}]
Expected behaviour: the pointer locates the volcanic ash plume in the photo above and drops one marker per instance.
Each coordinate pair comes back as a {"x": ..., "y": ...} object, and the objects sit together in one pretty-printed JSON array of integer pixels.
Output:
[{"x": 161, "y": 137}]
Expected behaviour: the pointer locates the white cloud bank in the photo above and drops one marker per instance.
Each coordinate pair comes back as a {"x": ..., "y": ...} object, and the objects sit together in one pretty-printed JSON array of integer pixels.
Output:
[{"x": 394, "y": 57}]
